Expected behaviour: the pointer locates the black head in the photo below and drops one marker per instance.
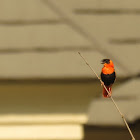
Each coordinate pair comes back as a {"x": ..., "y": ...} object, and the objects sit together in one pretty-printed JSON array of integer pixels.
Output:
[{"x": 105, "y": 61}]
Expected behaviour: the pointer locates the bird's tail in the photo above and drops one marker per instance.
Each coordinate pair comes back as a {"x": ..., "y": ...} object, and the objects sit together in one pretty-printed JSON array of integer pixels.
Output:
[{"x": 105, "y": 94}]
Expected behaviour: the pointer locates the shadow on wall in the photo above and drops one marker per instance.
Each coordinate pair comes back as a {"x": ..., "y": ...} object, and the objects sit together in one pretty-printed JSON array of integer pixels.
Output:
[{"x": 111, "y": 133}]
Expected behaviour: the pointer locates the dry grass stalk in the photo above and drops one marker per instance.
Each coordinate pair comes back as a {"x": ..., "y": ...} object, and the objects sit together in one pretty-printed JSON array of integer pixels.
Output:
[{"x": 102, "y": 83}]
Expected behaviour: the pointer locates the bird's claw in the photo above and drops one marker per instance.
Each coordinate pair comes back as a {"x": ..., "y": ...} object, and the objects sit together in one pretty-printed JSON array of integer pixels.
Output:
[{"x": 109, "y": 95}]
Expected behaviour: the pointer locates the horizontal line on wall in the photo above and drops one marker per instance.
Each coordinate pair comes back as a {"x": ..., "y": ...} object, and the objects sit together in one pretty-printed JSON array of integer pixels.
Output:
[
  {"x": 46, "y": 80},
  {"x": 29, "y": 22},
  {"x": 45, "y": 49},
  {"x": 66, "y": 80},
  {"x": 124, "y": 41},
  {"x": 106, "y": 11}
]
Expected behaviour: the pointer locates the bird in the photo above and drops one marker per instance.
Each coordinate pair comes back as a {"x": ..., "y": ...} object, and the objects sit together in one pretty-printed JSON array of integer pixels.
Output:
[{"x": 108, "y": 76}]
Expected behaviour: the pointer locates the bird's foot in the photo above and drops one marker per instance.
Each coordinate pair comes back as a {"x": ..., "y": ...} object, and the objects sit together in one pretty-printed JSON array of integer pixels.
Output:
[{"x": 109, "y": 95}]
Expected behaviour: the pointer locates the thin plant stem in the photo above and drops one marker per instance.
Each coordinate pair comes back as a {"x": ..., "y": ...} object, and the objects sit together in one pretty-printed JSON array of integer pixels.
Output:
[{"x": 102, "y": 83}]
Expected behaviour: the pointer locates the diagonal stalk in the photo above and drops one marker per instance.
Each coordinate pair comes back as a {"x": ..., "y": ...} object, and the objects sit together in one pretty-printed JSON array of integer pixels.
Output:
[{"x": 133, "y": 138}]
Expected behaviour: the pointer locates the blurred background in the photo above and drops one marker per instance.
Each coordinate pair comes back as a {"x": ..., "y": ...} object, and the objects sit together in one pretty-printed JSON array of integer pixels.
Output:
[{"x": 47, "y": 92}]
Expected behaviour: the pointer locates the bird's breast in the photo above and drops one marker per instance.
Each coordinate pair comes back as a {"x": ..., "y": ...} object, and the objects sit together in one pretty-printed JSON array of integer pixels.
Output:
[{"x": 108, "y": 70}]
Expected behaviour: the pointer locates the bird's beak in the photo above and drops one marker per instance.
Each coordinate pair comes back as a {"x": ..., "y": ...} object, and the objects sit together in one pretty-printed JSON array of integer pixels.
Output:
[{"x": 102, "y": 62}]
